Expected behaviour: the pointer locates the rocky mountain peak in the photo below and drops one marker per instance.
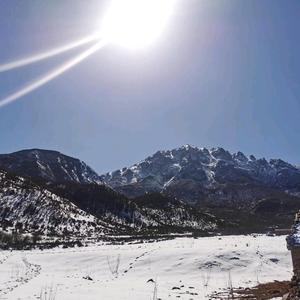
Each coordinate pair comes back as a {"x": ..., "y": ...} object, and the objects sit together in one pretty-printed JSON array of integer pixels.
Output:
[
  {"x": 192, "y": 173},
  {"x": 240, "y": 157},
  {"x": 221, "y": 153},
  {"x": 280, "y": 164}
]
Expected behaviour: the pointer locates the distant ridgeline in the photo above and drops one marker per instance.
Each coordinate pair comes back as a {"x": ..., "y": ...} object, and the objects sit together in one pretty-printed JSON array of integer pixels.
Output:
[{"x": 182, "y": 190}]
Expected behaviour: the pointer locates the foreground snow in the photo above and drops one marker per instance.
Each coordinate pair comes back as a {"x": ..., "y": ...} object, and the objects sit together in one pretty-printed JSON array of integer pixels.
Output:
[{"x": 183, "y": 268}]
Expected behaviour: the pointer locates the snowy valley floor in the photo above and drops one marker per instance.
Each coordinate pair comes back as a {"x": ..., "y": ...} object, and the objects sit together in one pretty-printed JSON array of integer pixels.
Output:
[{"x": 184, "y": 268}]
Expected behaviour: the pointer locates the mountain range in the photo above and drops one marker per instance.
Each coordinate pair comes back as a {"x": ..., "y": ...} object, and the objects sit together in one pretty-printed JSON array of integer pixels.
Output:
[
  {"x": 179, "y": 190},
  {"x": 198, "y": 175}
]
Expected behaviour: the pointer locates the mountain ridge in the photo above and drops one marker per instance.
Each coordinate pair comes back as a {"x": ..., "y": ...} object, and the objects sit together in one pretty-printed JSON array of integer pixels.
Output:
[
  {"x": 49, "y": 165},
  {"x": 72, "y": 209},
  {"x": 28, "y": 207},
  {"x": 178, "y": 190},
  {"x": 191, "y": 173}
]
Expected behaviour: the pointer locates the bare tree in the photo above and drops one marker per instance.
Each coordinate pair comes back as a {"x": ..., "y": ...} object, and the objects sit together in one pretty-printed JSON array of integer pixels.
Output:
[
  {"x": 114, "y": 266},
  {"x": 206, "y": 278},
  {"x": 48, "y": 292},
  {"x": 230, "y": 286}
]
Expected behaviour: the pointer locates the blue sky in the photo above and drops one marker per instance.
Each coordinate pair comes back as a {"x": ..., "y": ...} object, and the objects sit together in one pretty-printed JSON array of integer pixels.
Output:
[{"x": 224, "y": 73}]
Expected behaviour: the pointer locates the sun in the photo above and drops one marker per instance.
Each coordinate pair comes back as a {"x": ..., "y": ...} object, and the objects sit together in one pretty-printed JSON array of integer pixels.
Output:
[{"x": 135, "y": 23}]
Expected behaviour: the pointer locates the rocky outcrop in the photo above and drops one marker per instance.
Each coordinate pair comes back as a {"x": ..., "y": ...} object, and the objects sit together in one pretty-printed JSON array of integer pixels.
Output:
[{"x": 198, "y": 175}]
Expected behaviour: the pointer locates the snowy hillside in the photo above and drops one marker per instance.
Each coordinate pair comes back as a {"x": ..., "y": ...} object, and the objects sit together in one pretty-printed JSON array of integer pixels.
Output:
[
  {"x": 150, "y": 212},
  {"x": 195, "y": 175},
  {"x": 183, "y": 268},
  {"x": 71, "y": 209},
  {"x": 30, "y": 208},
  {"x": 48, "y": 165},
  {"x": 169, "y": 213}
]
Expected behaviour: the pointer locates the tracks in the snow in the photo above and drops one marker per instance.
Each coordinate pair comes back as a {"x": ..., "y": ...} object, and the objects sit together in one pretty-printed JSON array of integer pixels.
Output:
[
  {"x": 4, "y": 258},
  {"x": 138, "y": 258},
  {"x": 19, "y": 275}
]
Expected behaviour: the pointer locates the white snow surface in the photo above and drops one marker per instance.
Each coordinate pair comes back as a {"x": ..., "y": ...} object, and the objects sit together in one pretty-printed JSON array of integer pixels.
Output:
[{"x": 185, "y": 267}]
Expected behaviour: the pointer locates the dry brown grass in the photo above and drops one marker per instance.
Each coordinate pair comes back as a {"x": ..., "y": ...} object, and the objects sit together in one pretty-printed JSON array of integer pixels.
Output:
[{"x": 261, "y": 292}]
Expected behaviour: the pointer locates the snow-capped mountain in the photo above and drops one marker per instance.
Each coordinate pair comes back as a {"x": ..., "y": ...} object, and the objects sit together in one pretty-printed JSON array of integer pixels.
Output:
[
  {"x": 56, "y": 194},
  {"x": 49, "y": 165},
  {"x": 198, "y": 174}
]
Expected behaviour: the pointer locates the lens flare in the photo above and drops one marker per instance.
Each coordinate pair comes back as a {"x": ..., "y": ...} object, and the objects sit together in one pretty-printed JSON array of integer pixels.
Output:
[
  {"x": 130, "y": 23},
  {"x": 47, "y": 54},
  {"x": 51, "y": 75}
]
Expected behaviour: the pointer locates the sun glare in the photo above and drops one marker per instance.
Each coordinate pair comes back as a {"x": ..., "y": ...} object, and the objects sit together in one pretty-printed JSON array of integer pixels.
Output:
[{"x": 135, "y": 23}]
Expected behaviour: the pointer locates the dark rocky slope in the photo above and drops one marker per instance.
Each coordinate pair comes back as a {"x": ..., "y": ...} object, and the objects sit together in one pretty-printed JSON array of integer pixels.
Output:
[
  {"x": 201, "y": 176},
  {"x": 48, "y": 165}
]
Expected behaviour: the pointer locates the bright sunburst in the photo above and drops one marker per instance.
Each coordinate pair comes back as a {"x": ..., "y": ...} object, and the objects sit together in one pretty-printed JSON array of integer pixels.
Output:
[{"x": 136, "y": 23}]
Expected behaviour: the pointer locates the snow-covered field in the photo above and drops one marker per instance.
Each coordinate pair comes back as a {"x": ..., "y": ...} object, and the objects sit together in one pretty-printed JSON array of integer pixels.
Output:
[{"x": 184, "y": 268}]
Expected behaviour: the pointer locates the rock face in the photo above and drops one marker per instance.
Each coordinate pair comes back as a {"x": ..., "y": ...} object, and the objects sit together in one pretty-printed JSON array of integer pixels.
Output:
[
  {"x": 48, "y": 165},
  {"x": 200, "y": 175}
]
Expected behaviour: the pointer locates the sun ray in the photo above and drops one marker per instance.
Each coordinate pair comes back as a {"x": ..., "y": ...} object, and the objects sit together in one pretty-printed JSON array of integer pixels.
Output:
[
  {"x": 52, "y": 74},
  {"x": 47, "y": 54}
]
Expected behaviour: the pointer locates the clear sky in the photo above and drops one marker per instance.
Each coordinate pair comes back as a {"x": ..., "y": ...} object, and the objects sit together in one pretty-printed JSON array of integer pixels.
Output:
[{"x": 224, "y": 73}]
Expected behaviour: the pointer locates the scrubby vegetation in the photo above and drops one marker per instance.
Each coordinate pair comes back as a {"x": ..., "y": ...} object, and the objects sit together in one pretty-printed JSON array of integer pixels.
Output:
[
  {"x": 266, "y": 291},
  {"x": 16, "y": 240}
]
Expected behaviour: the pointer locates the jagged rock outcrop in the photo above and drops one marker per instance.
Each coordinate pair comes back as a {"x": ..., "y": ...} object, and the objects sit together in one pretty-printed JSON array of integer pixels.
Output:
[{"x": 198, "y": 175}]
